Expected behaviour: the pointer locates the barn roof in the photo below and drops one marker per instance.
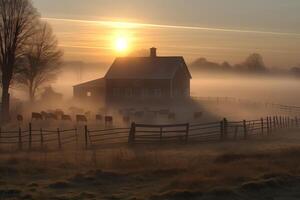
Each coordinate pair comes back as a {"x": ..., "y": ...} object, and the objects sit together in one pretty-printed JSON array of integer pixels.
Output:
[
  {"x": 94, "y": 83},
  {"x": 152, "y": 67}
]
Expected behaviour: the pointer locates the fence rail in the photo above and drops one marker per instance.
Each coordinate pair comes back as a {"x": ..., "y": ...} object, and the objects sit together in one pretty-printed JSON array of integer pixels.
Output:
[{"x": 31, "y": 139}]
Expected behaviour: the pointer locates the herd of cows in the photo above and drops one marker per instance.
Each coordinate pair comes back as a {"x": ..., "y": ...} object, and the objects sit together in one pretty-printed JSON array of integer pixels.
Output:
[{"x": 127, "y": 115}]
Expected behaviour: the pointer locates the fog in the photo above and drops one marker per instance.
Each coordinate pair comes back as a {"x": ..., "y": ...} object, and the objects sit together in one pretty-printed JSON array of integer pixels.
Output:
[
  {"x": 281, "y": 90},
  {"x": 236, "y": 88}
]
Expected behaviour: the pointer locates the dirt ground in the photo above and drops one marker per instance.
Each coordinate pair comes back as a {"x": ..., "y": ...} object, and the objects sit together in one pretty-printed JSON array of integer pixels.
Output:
[{"x": 260, "y": 168}]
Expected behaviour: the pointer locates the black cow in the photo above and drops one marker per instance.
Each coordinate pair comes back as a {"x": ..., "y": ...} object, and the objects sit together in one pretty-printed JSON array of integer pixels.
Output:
[
  {"x": 81, "y": 118},
  {"x": 36, "y": 116}
]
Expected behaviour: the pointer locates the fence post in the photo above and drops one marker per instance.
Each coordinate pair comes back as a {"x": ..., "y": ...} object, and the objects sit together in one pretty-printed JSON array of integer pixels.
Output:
[
  {"x": 277, "y": 122},
  {"x": 274, "y": 123},
  {"x": 225, "y": 128},
  {"x": 59, "y": 139},
  {"x": 221, "y": 130},
  {"x": 131, "y": 137},
  {"x": 262, "y": 126},
  {"x": 245, "y": 130},
  {"x": 20, "y": 138},
  {"x": 76, "y": 137},
  {"x": 42, "y": 138},
  {"x": 187, "y": 132},
  {"x": 30, "y": 136},
  {"x": 296, "y": 121},
  {"x": 289, "y": 122},
  {"x": 86, "y": 136},
  {"x": 280, "y": 121},
  {"x": 160, "y": 133},
  {"x": 268, "y": 126}
]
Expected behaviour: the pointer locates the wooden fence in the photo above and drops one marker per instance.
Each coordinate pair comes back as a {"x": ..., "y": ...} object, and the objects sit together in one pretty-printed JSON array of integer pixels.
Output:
[
  {"x": 138, "y": 134},
  {"x": 38, "y": 139},
  {"x": 223, "y": 130}
]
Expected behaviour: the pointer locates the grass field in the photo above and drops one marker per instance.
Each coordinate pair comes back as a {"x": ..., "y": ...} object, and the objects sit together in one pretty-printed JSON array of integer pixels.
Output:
[{"x": 262, "y": 168}]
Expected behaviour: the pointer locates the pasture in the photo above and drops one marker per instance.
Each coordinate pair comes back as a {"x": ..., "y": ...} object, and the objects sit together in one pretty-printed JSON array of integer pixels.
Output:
[{"x": 261, "y": 168}]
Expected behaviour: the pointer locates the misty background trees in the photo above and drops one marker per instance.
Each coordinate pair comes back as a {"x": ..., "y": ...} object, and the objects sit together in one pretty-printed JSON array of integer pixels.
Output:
[
  {"x": 26, "y": 51},
  {"x": 41, "y": 61},
  {"x": 253, "y": 64}
]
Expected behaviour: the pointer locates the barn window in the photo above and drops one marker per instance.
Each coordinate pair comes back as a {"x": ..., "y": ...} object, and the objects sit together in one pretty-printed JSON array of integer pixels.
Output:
[
  {"x": 89, "y": 94},
  {"x": 116, "y": 92},
  {"x": 128, "y": 92},
  {"x": 157, "y": 92}
]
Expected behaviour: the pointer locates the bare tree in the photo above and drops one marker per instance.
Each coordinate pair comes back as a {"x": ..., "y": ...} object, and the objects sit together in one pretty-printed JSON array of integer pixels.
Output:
[
  {"x": 17, "y": 18},
  {"x": 255, "y": 63},
  {"x": 41, "y": 61}
]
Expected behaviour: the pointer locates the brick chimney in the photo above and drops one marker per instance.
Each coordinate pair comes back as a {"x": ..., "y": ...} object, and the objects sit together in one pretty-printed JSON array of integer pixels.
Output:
[{"x": 153, "y": 52}]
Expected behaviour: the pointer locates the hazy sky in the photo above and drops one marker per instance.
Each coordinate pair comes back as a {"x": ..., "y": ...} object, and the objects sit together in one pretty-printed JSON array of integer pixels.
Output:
[{"x": 232, "y": 28}]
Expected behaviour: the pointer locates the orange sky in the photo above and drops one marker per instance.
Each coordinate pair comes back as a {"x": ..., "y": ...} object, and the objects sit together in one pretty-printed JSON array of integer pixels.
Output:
[{"x": 86, "y": 31}]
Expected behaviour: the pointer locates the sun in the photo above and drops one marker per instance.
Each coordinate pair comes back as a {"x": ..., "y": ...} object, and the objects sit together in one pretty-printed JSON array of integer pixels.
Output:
[{"x": 121, "y": 44}]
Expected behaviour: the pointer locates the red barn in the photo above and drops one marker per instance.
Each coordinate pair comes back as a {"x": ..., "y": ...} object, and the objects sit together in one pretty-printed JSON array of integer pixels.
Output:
[{"x": 131, "y": 79}]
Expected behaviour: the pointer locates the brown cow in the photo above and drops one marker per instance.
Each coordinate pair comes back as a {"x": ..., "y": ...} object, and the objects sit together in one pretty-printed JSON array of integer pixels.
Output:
[
  {"x": 164, "y": 112},
  {"x": 36, "y": 116},
  {"x": 139, "y": 114},
  {"x": 20, "y": 118},
  {"x": 81, "y": 118},
  {"x": 66, "y": 118},
  {"x": 108, "y": 120},
  {"x": 126, "y": 119},
  {"x": 59, "y": 112},
  {"x": 171, "y": 116},
  {"x": 99, "y": 117},
  {"x": 51, "y": 116},
  {"x": 198, "y": 115}
]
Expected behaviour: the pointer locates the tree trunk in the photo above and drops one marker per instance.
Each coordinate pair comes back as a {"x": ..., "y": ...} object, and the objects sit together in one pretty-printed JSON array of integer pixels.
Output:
[
  {"x": 31, "y": 93},
  {"x": 5, "y": 103}
]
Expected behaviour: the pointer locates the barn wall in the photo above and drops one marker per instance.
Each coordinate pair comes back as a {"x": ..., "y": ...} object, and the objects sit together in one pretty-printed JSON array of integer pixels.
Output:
[
  {"x": 119, "y": 90},
  {"x": 86, "y": 93},
  {"x": 181, "y": 85}
]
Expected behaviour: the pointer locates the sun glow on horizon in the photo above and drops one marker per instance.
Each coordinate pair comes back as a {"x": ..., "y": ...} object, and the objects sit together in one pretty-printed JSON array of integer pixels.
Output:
[{"x": 121, "y": 44}]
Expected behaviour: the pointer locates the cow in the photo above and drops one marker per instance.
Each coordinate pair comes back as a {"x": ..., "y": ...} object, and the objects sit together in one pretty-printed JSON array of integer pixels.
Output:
[
  {"x": 51, "y": 116},
  {"x": 126, "y": 119},
  {"x": 66, "y": 118},
  {"x": 81, "y": 118},
  {"x": 99, "y": 117},
  {"x": 139, "y": 114},
  {"x": 59, "y": 112},
  {"x": 164, "y": 112},
  {"x": 20, "y": 118},
  {"x": 198, "y": 115},
  {"x": 108, "y": 120},
  {"x": 172, "y": 116},
  {"x": 44, "y": 114},
  {"x": 36, "y": 116}
]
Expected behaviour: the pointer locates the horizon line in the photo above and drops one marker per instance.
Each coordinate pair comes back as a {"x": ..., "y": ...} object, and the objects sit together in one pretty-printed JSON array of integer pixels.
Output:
[{"x": 137, "y": 25}]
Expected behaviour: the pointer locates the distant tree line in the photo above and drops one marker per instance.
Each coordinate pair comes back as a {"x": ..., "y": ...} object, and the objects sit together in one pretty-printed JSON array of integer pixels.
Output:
[
  {"x": 29, "y": 54},
  {"x": 253, "y": 64}
]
